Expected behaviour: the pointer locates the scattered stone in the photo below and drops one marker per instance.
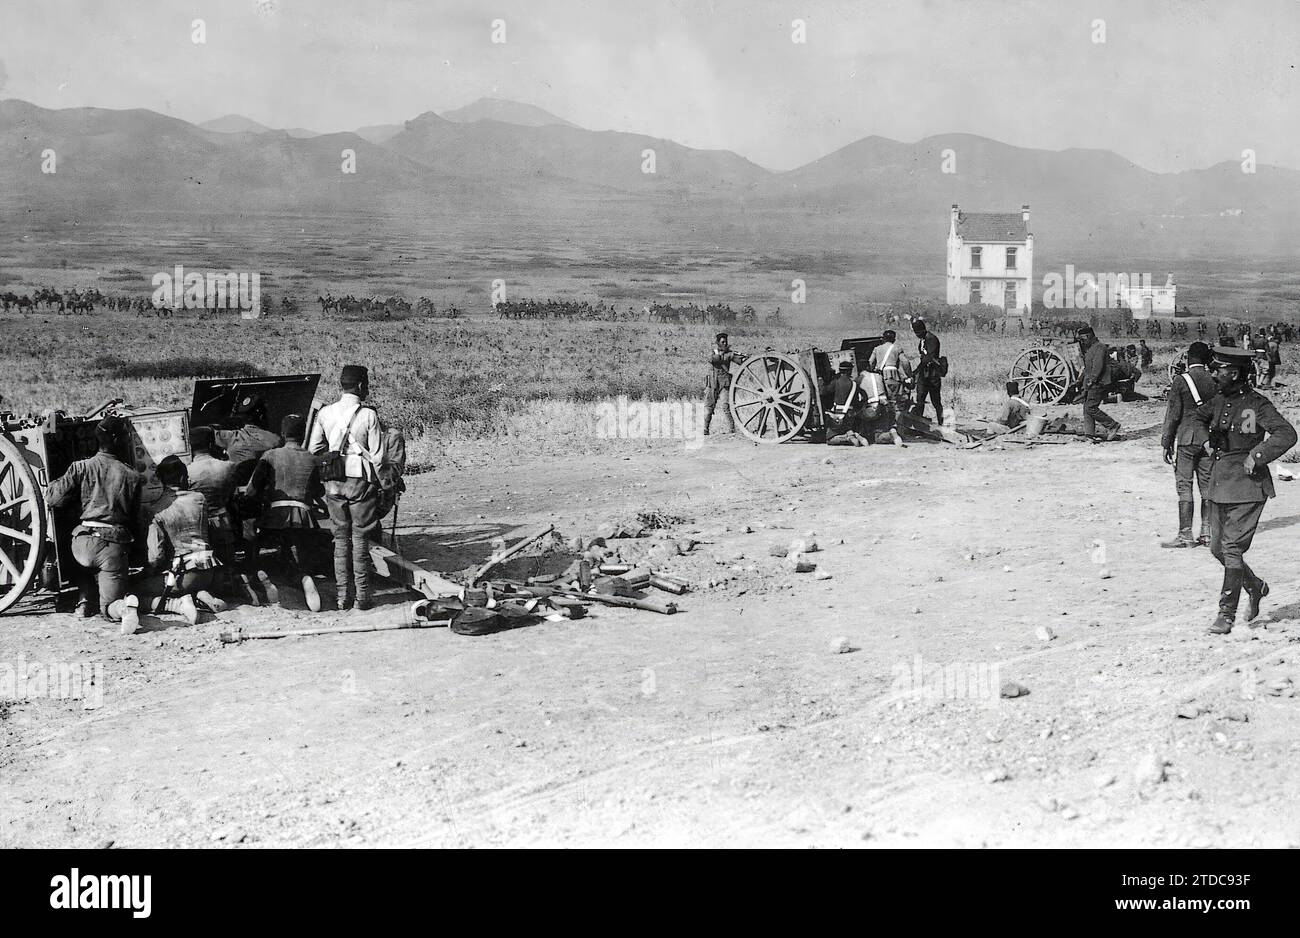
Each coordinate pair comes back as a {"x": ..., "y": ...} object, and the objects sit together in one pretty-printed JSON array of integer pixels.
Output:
[
  {"x": 778, "y": 550},
  {"x": 1150, "y": 769},
  {"x": 1189, "y": 711},
  {"x": 822, "y": 575},
  {"x": 800, "y": 565},
  {"x": 999, "y": 774},
  {"x": 1049, "y": 804},
  {"x": 1012, "y": 689},
  {"x": 1044, "y": 633},
  {"x": 749, "y": 529},
  {"x": 1105, "y": 780},
  {"x": 1069, "y": 814},
  {"x": 1236, "y": 715},
  {"x": 840, "y": 646},
  {"x": 1006, "y": 568},
  {"x": 1105, "y": 573}
]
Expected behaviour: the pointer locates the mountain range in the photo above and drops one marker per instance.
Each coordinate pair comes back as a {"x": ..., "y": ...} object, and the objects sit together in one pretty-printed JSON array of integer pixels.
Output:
[{"x": 497, "y": 157}]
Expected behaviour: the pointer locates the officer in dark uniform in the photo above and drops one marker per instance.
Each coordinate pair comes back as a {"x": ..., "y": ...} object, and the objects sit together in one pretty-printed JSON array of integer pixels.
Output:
[
  {"x": 929, "y": 373},
  {"x": 1096, "y": 381},
  {"x": 1245, "y": 434},
  {"x": 1183, "y": 440}
]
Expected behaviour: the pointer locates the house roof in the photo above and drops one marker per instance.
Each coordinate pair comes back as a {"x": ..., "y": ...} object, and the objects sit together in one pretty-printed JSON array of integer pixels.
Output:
[{"x": 992, "y": 226}]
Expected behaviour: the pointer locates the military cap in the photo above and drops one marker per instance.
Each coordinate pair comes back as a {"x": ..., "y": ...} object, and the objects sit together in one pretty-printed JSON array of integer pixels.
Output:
[
  {"x": 201, "y": 439},
  {"x": 1231, "y": 355},
  {"x": 846, "y": 367},
  {"x": 1198, "y": 351},
  {"x": 293, "y": 427},
  {"x": 353, "y": 375}
]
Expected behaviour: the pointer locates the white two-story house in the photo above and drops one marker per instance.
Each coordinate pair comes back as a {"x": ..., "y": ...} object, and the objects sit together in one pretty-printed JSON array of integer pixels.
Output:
[{"x": 991, "y": 260}]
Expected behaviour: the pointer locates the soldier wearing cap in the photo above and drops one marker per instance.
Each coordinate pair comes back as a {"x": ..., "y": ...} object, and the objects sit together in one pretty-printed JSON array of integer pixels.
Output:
[
  {"x": 891, "y": 362},
  {"x": 214, "y": 479},
  {"x": 287, "y": 479},
  {"x": 840, "y": 403},
  {"x": 1096, "y": 381},
  {"x": 351, "y": 427},
  {"x": 109, "y": 494},
  {"x": 1183, "y": 440},
  {"x": 929, "y": 371},
  {"x": 1245, "y": 433},
  {"x": 718, "y": 381}
]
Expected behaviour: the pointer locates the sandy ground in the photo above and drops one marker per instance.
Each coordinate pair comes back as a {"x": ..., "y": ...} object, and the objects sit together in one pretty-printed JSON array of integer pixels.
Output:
[{"x": 732, "y": 723}]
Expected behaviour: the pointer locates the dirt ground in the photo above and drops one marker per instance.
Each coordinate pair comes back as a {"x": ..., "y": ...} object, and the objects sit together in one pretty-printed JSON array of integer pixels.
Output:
[{"x": 733, "y": 723}]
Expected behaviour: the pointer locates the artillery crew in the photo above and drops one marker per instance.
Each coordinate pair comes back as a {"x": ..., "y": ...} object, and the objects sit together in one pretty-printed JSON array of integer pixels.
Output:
[
  {"x": 350, "y": 428},
  {"x": 718, "y": 382},
  {"x": 1245, "y": 433},
  {"x": 287, "y": 480},
  {"x": 889, "y": 360},
  {"x": 109, "y": 493},
  {"x": 929, "y": 371},
  {"x": 1183, "y": 440},
  {"x": 181, "y": 564},
  {"x": 1097, "y": 379}
]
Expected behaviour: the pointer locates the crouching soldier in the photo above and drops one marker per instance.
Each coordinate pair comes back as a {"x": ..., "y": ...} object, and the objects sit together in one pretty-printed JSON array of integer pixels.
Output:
[
  {"x": 1245, "y": 434},
  {"x": 181, "y": 565},
  {"x": 287, "y": 480},
  {"x": 109, "y": 492},
  {"x": 350, "y": 427},
  {"x": 841, "y": 402},
  {"x": 214, "y": 479}
]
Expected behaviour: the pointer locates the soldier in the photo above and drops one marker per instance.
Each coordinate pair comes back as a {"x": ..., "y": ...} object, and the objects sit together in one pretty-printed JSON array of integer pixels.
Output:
[
  {"x": 288, "y": 478},
  {"x": 1274, "y": 351},
  {"x": 718, "y": 382},
  {"x": 1245, "y": 433},
  {"x": 1183, "y": 440},
  {"x": 1096, "y": 381},
  {"x": 1147, "y": 355},
  {"x": 840, "y": 403},
  {"x": 351, "y": 427},
  {"x": 181, "y": 563},
  {"x": 214, "y": 479},
  {"x": 245, "y": 438},
  {"x": 929, "y": 373},
  {"x": 109, "y": 492},
  {"x": 890, "y": 360}
]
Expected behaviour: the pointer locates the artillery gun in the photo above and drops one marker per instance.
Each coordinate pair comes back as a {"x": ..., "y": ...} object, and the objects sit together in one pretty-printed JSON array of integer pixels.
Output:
[
  {"x": 35, "y": 540},
  {"x": 776, "y": 396}
]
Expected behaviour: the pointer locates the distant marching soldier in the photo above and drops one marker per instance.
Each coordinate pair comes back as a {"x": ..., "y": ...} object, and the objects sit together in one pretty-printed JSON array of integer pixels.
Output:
[
  {"x": 890, "y": 360},
  {"x": 1245, "y": 434},
  {"x": 718, "y": 383},
  {"x": 1096, "y": 380},
  {"x": 929, "y": 372},
  {"x": 1183, "y": 439}
]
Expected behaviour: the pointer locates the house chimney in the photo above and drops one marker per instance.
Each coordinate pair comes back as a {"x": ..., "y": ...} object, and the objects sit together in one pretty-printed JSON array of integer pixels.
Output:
[
  {"x": 955, "y": 213},
  {"x": 1024, "y": 212}
]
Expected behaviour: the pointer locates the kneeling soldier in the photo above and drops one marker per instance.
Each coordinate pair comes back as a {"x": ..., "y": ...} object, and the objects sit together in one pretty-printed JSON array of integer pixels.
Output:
[
  {"x": 181, "y": 563},
  {"x": 287, "y": 479},
  {"x": 1245, "y": 434}
]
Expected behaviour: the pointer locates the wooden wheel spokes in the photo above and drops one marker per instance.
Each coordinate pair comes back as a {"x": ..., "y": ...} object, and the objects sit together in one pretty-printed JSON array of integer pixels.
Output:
[
  {"x": 771, "y": 398},
  {"x": 22, "y": 524},
  {"x": 1044, "y": 375}
]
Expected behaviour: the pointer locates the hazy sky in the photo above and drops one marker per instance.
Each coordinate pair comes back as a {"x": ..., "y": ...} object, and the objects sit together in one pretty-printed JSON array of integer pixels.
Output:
[{"x": 1176, "y": 85}]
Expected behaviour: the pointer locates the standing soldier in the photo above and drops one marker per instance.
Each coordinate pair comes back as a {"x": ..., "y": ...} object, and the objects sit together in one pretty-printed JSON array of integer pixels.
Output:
[
  {"x": 350, "y": 427},
  {"x": 718, "y": 382},
  {"x": 1274, "y": 349},
  {"x": 109, "y": 492},
  {"x": 929, "y": 373},
  {"x": 1097, "y": 378},
  {"x": 1183, "y": 440},
  {"x": 1245, "y": 434}
]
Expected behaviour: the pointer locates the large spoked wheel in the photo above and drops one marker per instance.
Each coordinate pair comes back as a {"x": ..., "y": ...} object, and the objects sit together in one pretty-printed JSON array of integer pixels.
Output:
[
  {"x": 771, "y": 398},
  {"x": 1043, "y": 374},
  {"x": 1177, "y": 366},
  {"x": 22, "y": 524}
]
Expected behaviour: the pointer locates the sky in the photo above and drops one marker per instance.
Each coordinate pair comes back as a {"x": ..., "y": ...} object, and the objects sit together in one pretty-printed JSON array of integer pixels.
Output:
[{"x": 1175, "y": 85}]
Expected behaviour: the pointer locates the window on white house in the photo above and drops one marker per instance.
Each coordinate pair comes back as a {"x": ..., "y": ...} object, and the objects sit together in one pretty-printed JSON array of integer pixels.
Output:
[
  {"x": 975, "y": 256},
  {"x": 1011, "y": 258}
]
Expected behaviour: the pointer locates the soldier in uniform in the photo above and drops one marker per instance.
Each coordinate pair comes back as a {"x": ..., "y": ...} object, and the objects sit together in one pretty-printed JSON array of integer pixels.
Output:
[
  {"x": 718, "y": 381},
  {"x": 929, "y": 373},
  {"x": 891, "y": 362},
  {"x": 840, "y": 403},
  {"x": 1245, "y": 434},
  {"x": 1183, "y": 439},
  {"x": 1097, "y": 378}
]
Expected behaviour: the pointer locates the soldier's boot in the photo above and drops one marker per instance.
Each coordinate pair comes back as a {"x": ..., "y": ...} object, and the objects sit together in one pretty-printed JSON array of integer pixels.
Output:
[
  {"x": 126, "y": 612},
  {"x": 1204, "y": 539},
  {"x": 311, "y": 594},
  {"x": 1229, "y": 596},
  {"x": 184, "y": 607},
  {"x": 272, "y": 594},
  {"x": 247, "y": 591},
  {"x": 212, "y": 602},
  {"x": 1184, "y": 538},
  {"x": 1256, "y": 590}
]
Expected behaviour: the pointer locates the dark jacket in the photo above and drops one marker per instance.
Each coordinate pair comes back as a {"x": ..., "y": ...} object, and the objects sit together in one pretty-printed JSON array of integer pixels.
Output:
[
  {"x": 1181, "y": 426},
  {"x": 720, "y": 368},
  {"x": 1096, "y": 367},
  {"x": 837, "y": 391},
  {"x": 214, "y": 479},
  {"x": 1245, "y": 422},
  {"x": 246, "y": 444},
  {"x": 178, "y": 528},
  {"x": 927, "y": 348},
  {"x": 287, "y": 474},
  {"x": 109, "y": 491}
]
